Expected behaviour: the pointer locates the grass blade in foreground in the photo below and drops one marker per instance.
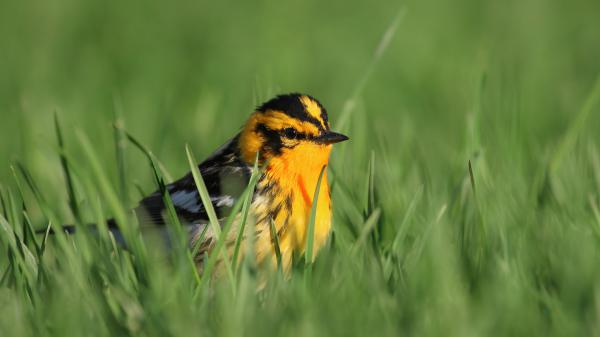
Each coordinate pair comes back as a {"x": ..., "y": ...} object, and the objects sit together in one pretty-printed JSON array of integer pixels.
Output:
[
  {"x": 173, "y": 222},
  {"x": 27, "y": 227},
  {"x": 203, "y": 191},
  {"x": 129, "y": 229},
  {"x": 120, "y": 146},
  {"x": 25, "y": 259},
  {"x": 146, "y": 151},
  {"x": 66, "y": 171},
  {"x": 212, "y": 259},
  {"x": 275, "y": 242},
  {"x": 247, "y": 201},
  {"x": 310, "y": 231},
  {"x": 212, "y": 216},
  {"x": 367, "y": 228}
]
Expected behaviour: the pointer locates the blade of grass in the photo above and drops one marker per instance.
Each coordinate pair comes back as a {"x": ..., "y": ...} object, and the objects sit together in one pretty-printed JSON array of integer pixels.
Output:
[
  {"x": 595, "y": 164},
  {"x": 173, "y": 222},
  {"x": 28, "y": 228},
  {"x": 21, "y": 195},
  {"x": 418, "y": 251},
  {"x": 247, "y": 201},
  {"x": 369, "y": 199},
  {"x": 3, "y": 202},
  {"x": 371, "y": 202},
  {"x": 472, "y": 179},
  {"x": 275, "y": 242},
  {"x": 23, "y": 255},
  {"x": 199, "y": 241},
  {"x": 105, "y": 186},
  {"x": 407, "y": 215},
  {"x": 568, "y": 140},
  {"x": 367, "y": 228},
  {"x": 596, "y": 213},
  {"x": 13, "y": 212},
  {"x": 44, "y": 206},
  {"x": 355, "y": 213},
  {"x": 310, "y": 232},
  {"x": 59, "y": 235},
  {"x": 203, "y": 191},
  {"x": 66, "y": 171},
  {"x": 212, "y": 216},
  {"x": 194, "y": 252},
  {"x": 384, "y": 43},
  {"x": 481, "y": 221},
  {"x": 5, "y": 275},
  {"x": 214, "y": 254},
  {"x": 146, "y": 151},
  {"x": 129, "y": 229},
  {"x": 45, "y": 240},
  {"x": 120, "y": 146},
  {"x": 32, "y": 186},
  {"x": 216, "y": 251}
]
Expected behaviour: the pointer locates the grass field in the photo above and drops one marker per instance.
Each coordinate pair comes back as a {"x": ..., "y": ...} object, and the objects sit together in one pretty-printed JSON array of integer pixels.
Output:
[{"x": 420, "y": 247}]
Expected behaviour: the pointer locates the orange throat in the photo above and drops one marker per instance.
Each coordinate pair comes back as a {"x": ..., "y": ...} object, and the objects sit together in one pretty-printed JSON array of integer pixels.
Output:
[
  {"x": 295, "y": 174},
  {"x": 297, "y": 171}
]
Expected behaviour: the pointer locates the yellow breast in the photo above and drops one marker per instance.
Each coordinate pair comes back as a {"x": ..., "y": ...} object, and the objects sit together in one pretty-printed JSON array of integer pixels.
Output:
[{"x": 289, "y": 184}]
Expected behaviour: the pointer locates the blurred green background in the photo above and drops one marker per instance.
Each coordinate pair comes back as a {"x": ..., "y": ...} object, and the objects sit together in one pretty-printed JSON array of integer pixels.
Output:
[
  {"x": 501, "y": 83},
  {"x": 191, "y": 71}
]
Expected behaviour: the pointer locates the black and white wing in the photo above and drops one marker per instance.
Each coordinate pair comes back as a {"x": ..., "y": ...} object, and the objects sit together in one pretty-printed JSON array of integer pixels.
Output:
[{"x": 226, "y": 176}]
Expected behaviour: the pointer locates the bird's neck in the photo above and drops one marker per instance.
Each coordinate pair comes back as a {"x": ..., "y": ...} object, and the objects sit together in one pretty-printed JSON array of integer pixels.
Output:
[
  {"x": 285, "y": 195},
  {"x": 297, "y": 170}
]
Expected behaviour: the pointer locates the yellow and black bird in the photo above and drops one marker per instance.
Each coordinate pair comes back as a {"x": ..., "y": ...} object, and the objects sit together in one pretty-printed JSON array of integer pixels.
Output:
[{"x": 292, "y": 136}]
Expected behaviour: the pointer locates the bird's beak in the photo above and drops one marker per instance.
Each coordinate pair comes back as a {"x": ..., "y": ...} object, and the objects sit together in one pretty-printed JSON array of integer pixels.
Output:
[{"x": 331, "y": 137}]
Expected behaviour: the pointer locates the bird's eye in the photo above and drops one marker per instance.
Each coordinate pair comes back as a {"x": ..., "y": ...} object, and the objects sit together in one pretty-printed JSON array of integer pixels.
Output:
[{"x": 290, "y": 133}]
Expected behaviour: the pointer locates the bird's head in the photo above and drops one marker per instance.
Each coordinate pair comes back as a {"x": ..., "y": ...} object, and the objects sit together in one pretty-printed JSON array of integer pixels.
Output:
[{"x": 292, "y": 127}]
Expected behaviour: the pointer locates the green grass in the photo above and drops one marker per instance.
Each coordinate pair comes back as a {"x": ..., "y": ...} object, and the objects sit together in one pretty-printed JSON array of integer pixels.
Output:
[{"x": 466, "y": 202}]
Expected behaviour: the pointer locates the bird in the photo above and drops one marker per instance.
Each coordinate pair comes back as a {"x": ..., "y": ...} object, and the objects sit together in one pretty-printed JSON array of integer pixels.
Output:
[{"x": 290, "y": 137}]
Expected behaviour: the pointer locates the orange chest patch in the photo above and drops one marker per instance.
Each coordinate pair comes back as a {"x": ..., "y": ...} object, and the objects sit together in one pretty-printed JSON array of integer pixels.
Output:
[{"x": 296, "y": 173}]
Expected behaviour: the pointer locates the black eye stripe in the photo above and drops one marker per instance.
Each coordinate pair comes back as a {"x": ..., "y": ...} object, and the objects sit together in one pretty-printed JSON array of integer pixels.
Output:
[
  {"x": 274, "y": 136},
  {"x": 272, "y": 139},
  {"x": 292, "y": 133}
]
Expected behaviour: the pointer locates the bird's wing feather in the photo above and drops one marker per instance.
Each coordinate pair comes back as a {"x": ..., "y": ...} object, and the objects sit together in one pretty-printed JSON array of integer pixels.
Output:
[{"x": 225, "y": 176}]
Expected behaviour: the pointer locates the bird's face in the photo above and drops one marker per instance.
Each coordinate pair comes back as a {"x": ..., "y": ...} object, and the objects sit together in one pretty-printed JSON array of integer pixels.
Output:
[{"x": 291, "y": 127}]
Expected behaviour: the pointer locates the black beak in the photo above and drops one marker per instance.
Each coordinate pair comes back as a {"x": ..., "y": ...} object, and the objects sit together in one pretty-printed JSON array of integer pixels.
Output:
[{"x": 331, "y": 137}]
